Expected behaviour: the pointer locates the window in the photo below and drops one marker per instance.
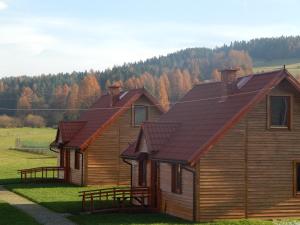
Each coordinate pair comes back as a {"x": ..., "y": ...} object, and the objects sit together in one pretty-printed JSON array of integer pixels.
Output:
[
  {"x": 280, "y": 111},
  {"x": 297, "y": 177},
  {"x": 140, "y": 114},
  {"x": 176, "y": 179},
  {"x": 77, "y": 160},
  {"x": 61, "y": 158},
  {"x": 142, "y": 172}
]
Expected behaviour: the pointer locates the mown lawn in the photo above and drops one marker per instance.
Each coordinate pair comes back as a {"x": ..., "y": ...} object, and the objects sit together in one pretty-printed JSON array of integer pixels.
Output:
[
  {"x": 12, "y": 160},
  {"x": 63, "y": 198},
  {"x": 9, "y": 215},
  {"x": 153, "y": 219}
]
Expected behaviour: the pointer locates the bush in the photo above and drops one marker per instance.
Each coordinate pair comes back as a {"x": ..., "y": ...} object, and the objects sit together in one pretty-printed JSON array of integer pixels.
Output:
[
  {"x": 34, "y": 121},
  {"x": 9, "y": 122}
]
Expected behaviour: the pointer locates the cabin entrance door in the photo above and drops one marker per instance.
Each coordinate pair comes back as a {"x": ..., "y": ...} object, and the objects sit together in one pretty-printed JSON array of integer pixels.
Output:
[
  {"x": 155, "y": 191},
  {"x": 67, "y": 166}
]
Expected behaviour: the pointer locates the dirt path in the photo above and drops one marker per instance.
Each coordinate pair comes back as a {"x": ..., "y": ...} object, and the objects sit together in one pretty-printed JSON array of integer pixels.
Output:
[{"x": 39, "y": 213}]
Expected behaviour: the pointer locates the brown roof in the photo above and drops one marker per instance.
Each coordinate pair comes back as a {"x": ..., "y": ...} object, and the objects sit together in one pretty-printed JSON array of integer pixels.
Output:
[
  {"x": 100, "y": 115},
  {"x": 68, "y": 129},
  {"x": 205, "y": 114},
  {"x": 157, "y": 134}
]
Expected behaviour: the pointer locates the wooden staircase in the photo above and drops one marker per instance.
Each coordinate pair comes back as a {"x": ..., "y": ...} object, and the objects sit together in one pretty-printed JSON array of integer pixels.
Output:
[
  {"x": 116, "y": 199},
  {"x": 42, "y": 174}
]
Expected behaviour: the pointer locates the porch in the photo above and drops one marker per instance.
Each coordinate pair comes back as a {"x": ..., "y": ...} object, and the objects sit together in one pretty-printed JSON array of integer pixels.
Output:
[
  {"x": 43, "y": 174},
  {"x": 117, "y": 199}
]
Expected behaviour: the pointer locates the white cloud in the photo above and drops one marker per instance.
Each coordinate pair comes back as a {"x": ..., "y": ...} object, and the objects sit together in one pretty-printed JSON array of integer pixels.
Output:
[
  {"x": 49, "y": 45},
  {"x": 3, "y": 5}
]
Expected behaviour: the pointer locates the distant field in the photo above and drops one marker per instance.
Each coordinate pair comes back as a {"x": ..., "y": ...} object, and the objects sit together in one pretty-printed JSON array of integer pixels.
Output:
[
  {"x": 293, "y": 66},
  {"x": 12, "y": 160},
  {"x": 35, "y": 137}
]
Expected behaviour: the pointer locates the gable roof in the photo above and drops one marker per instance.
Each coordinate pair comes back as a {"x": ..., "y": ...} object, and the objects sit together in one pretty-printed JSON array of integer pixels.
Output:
[
  {"x": 157, "y": 134},
  {"x": 205, "y": 114},
  {"x": 100, "y": 115}
]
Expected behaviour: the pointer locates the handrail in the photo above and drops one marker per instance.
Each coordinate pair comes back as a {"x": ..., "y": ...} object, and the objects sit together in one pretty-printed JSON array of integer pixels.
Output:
[
  {"x": 117, "y": 195},
  {"x": 42, "y": 173},
  {"x": 40, "y": 168}
]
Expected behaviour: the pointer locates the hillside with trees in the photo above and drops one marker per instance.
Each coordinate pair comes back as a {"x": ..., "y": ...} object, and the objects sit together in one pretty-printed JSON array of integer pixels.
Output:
[{"x": 54, "y": 97}]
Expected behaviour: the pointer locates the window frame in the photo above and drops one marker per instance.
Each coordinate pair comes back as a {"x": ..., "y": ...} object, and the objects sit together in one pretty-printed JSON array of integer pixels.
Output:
[
  {"x": 142, "y": 172},
  {"x": 77, "y": 160},
  {"x": 133, "y": 114},
  {"x": 295, "y": 181},
  {"x": 176, "y": 178},
  {"x": 290, "y": 113}
]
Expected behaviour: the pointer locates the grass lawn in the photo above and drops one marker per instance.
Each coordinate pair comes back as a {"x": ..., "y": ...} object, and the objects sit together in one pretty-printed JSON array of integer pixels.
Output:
[
  {"x": 293, "y": 66},
  {"x": 12, "y": 216},
  {"x": 12, "y": 160},
  {"x": 154, "y": 219},
  {"x": 61, "y": 198}
]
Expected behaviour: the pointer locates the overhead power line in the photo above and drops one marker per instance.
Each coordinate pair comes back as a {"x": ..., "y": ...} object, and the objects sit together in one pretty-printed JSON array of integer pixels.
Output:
[{"x": 128, "y": 107}]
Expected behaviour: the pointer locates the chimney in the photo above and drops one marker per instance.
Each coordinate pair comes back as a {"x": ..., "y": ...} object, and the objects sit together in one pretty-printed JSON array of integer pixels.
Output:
[
  {"x": 229, "y": 76},
  {"x": 114, "y": 91}
]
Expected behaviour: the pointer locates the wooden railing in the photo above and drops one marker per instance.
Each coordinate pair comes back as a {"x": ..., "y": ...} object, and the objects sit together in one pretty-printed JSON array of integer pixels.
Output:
[
  {"x": 38, "y": 174},
  {"x": 115, "y": 198}
]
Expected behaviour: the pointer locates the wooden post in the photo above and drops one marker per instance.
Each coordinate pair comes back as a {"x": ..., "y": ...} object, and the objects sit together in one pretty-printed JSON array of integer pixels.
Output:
[
  {"x": 83, "y": 202},
  {"x": 92, "y": 203}
]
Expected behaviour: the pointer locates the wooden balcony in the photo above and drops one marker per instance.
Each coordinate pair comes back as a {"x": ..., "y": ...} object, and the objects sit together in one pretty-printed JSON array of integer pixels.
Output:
[
  {"x": 43, "y": 174},
  {"x": 116, "y": 199}
]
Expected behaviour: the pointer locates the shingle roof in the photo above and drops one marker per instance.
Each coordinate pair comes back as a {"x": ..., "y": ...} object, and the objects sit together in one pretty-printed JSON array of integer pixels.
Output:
[
  {"x": 101, "y": 114},
  {"x": 69, "y": 128},
  {"x": 204, "y": 114},
  {"x": 157, "y": 134}
]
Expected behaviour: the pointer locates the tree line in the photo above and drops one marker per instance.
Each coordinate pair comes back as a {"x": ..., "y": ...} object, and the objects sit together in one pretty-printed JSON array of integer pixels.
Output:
[{"x": 56, "y": 97}]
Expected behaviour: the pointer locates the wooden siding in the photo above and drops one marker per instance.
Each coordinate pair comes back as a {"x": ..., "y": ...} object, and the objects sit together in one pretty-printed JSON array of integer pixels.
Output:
[
  {"x": 180, "y": 205},
  {"x": 221, "y": 178},
  {"x": 104, "y": 165},
  {"x": 249, "y": 172},
  {"x": 75, "y": 174},
  {"x": 270, "y": 164}
]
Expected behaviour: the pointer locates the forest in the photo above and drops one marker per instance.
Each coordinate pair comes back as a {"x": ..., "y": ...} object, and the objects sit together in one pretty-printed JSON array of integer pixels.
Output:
[{"x": 46, "y": 99}]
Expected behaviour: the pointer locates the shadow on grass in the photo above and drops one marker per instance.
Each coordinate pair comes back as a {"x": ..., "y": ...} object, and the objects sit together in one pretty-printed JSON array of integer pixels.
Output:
[
  {"x": 14, "y": 216},
  {"x": 31, "y": 185},
  {"x": 127, "y": 218},
  {"x": 9, "y": 181}
]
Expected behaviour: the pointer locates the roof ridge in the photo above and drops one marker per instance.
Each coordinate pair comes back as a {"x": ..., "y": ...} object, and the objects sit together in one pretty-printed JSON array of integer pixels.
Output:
[
  {"x": 74, "y": 121},
  {"x": 160, "y": 122}
]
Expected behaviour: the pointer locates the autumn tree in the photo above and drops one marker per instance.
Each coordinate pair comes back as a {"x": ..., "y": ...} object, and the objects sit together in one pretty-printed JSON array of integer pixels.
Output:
[
  {"x": 34, "y": 121},
  {"x": 72, "y": 102},
  {"x": 89, "y": 91},
  {"x": 163, "y": 92}
]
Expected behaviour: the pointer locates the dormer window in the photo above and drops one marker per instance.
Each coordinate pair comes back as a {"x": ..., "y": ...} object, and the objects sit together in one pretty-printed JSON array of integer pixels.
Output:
[
  {"x": 280, "y": 112},
  {"x": 140, "y": 114}
]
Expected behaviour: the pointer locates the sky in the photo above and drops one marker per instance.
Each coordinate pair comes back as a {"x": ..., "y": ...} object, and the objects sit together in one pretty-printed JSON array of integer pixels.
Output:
[{"x": 51, "y": 36}]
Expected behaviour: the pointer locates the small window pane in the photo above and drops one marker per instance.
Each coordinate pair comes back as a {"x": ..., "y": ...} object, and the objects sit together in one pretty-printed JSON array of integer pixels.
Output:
[
  {"x": 140, "y": 114},
  {"x": 280, "y": 110}
]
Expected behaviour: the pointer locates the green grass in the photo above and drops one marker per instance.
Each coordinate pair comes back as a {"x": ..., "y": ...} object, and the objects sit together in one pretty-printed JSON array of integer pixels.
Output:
[
  {"x": 12, "y": 216},
  {"x": 30, "y": 135},
  {"x": 12, "y": 160},
  {"x": 293, "y": 66},
  {"x": 61, "y": 198},
  {"x": 154, "y": 219}
]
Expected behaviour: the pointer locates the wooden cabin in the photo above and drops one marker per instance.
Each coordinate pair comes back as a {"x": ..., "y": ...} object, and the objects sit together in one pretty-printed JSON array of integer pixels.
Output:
[
  {"x": 89, "y": 148},
  {"x": 227, "y": 150}
]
